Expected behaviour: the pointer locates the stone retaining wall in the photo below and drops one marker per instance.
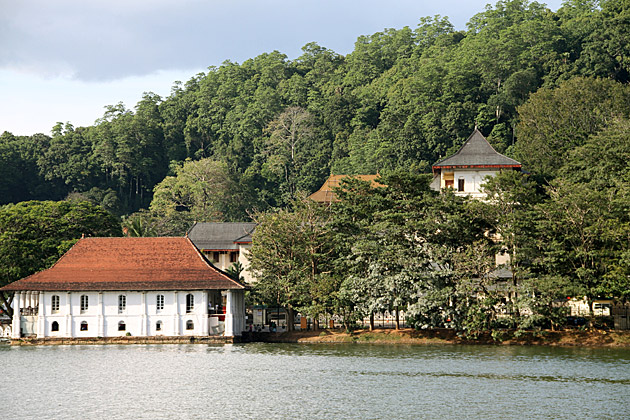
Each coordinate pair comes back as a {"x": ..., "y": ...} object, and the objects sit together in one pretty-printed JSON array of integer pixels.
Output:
[{"x": 124, "y": 340}]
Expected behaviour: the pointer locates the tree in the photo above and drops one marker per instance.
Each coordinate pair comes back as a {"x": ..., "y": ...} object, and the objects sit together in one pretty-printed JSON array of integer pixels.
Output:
[
  {"x": 198, "y": 191},
  {"x": 290, "y": 258},
  {"x": 34, "y": 234},
  {"x": 295, "y": 154},
  {"x": 556, "y": 120}
]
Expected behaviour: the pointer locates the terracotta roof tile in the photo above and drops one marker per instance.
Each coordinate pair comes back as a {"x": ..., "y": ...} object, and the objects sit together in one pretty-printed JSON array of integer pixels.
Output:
[{"x": 129, "y": 264}]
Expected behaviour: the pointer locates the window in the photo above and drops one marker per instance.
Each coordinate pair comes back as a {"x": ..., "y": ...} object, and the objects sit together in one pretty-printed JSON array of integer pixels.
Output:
[
  {"x": 54, "y": 326},
  {"x": 158, "y": 326},
  {"x": 190, "y": 325},
  {"x": 122, "y": 304},
  {"x": 84, "y": 326},
  {"x": 448, "y": 183},
  {"x": 84, "y": 305},
  {"x": 233, "y": 257},
  {"x": 190, "y": 303},
  {"x": 460, "y": 184},
  {"x": 215, "y": 256},
  {"x": 54, "y": 303},
  {"x": 159, "y": 302},
  {"x": 122, "y": 326}
]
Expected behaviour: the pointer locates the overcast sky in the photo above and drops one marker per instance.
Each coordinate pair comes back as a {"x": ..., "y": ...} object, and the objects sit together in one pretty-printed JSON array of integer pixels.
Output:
[{"x": 64, "y": 60}]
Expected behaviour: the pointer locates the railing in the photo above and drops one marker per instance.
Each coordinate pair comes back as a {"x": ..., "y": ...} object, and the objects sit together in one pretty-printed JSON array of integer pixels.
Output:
[{"x": 29, "y": 311}]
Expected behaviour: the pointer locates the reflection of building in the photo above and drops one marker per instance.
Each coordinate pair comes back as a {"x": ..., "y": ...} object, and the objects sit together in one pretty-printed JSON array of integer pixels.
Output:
[
  {"x": 224, "y": 243},
  {"x": 466, "y": 170},
  {"x": 326, "y": 193},
  {"x": 108, "y": 287}
]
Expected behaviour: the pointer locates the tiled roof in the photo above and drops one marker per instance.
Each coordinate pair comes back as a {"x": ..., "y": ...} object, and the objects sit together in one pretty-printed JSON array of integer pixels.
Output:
[
  {"x": 129, "y": 264},
  {"x": 221, "y": 236},
  {"x": 326, "y": 194},
  {"x": 477, "y": 152}
]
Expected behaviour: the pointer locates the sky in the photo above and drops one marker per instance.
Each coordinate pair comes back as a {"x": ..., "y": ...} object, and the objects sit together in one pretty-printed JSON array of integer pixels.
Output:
[{"x": 65, "y": 60}]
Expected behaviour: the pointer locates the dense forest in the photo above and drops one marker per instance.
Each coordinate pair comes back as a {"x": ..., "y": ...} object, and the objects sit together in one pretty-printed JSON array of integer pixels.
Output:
[
  {"x": 402, "y": 99},
  {"x": 547, "y": 88}
]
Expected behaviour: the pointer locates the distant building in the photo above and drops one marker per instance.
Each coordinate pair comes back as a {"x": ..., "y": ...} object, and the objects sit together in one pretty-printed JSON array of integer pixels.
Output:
[
  {"x": 466, "y": 170},
  {"x": 224, "y": 243},
  {"x": 326, "y": 193},
  {"x": 108, "y": 287}
]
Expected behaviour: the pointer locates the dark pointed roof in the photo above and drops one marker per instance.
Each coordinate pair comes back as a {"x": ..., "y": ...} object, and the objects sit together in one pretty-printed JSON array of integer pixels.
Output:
[
  {"x": 137, "y": 264},
  {"x": 221, "y": 236},
  {"x": 476, "y": 153}
]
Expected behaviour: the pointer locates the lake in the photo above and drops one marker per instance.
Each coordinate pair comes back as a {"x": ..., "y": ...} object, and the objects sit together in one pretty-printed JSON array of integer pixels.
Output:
[{"x": 299, "y": 381}]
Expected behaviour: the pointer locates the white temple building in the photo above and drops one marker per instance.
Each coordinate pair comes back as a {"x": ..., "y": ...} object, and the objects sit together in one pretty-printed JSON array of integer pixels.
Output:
[
  {"x": 467, "y": 169},
  {"x": 109, "y": 287}
]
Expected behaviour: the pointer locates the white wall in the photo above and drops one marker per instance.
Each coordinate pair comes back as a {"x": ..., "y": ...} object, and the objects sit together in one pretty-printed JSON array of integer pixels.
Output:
[
  {"x": 243, "y": 252},
  {"x": 102, "y": 315},
  {"x": 473, "y": 180}
]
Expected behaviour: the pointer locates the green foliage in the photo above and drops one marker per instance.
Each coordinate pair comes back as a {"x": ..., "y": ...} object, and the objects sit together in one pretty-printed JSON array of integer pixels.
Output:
[
  {"x": 556, "y": 120},
  {"x": 549, "y": 88},
  {"x": 291, "y": 257},
  {"x": 198, "y": 191},
  {"x": 34, "y": 234}
]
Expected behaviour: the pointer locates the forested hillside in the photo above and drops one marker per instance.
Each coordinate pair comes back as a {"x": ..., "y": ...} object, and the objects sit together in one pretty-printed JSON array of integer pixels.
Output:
[{"x": 271, "y": 126}]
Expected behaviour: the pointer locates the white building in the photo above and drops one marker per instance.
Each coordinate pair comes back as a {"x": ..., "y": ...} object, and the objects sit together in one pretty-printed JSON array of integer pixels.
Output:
[
  {"x": 466, "y": 170},
  {"x": 108, "y": 287},
  {"x": 224, "y": 244}
]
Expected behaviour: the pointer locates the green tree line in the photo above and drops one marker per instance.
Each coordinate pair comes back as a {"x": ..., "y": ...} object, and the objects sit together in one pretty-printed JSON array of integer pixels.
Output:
[{"x": 401, "y": 99}]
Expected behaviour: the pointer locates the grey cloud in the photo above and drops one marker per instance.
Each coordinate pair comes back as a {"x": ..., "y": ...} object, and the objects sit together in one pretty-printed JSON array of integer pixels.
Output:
[{"x": 106, "y": 40}]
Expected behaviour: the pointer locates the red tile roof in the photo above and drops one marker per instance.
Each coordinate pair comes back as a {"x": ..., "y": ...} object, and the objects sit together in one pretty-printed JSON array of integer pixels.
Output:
[{"x": 129, "y": 264}]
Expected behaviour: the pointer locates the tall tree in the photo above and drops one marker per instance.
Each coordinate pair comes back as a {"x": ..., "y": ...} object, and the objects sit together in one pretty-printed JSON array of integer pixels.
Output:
[
  {"x": 291, "y": 259},
  {"x": 556, "y": 120},
  {"x": 34, "y": 234},
  {"x": 198, "y": 191}
]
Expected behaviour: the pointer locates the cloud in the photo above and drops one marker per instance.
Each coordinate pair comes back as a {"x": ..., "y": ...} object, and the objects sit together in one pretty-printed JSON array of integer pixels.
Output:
[{"x": 99, "y": 40}]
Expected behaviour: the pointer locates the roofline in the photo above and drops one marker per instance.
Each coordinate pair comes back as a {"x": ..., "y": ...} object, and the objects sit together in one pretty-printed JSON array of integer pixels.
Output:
[
  {"x": 8, "y": 288},
  {"x": 437, "y": 164},
  {"x": 190, "y": 228},
  {"x": 120, "y": 289},
  {"x": 205, "y": 260}
]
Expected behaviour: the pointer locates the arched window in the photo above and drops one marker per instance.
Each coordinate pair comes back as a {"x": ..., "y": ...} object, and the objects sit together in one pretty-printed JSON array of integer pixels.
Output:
[
  {"x": 158, "y": 326},
  {"x": 190, "y": 303},
  {"x": 85, "y": 303},
  {"x": 122, "y": 326},
  {"x": 84, "y": 326},
  {"x": 122, "y": 304},
  {"x": 159, "y": 303},
  {"x": 54, "y": 303},
  {"x": 190, "y": 325},
  {"x": 54, "y": 326}
]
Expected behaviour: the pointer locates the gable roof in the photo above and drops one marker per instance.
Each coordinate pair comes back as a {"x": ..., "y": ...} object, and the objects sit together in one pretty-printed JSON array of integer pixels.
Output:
[
  {"x": 326, "y": 194},
  {"x": 476, "y": 152},
  {"x": 128, "y": 264},
  {"x": 221, "y": 236}
]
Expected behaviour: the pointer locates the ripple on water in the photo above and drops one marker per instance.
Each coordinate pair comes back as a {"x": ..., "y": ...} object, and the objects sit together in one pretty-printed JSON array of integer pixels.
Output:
[{"x": 295, "y": 381}]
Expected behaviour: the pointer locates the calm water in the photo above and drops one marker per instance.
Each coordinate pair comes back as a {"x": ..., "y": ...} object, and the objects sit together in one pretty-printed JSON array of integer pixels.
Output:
[{"x": 286, "y": 381}]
